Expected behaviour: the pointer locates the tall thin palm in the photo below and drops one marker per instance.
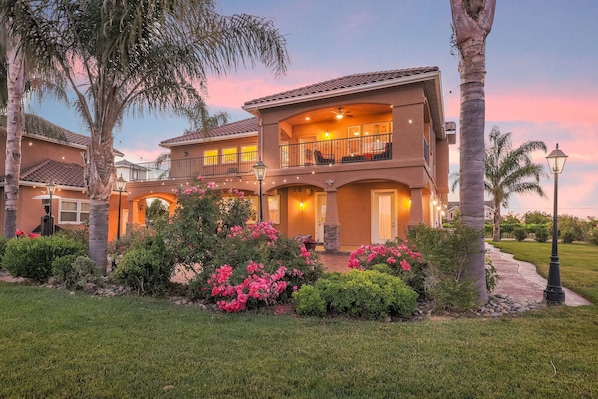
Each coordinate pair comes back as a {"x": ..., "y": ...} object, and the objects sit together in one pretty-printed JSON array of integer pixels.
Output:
[
  {"x": 472, "y": 22},
  {"x": 127, "y": 56},
  {"x": 508, "y": 171},
  {"x": 15, "y": 118}
]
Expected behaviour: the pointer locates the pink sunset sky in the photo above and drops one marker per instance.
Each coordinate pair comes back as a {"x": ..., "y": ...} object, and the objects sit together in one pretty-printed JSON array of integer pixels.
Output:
[{"x": 541, "y": 82}]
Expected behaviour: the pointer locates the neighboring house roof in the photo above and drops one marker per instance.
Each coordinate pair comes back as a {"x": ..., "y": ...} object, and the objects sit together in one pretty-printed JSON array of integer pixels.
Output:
[
  {"x": 42, "y": 129},
  {"x": 63, "y": 174},
  {"x": 346, "y": 83},
  {"x": 129, "y": 164},
  {"x": 455, "y": 204},
  {"x": 232, "y": 130}
]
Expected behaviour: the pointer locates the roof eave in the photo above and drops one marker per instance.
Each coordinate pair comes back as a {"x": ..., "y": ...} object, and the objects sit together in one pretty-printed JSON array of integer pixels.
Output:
[
  {"x": 207, "y": 139},
  {"x": 253, "y": 108}
]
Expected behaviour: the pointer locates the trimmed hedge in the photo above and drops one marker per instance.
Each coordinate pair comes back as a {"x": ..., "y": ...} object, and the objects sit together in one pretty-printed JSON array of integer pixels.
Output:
[
  {"x": 367, "y": 294},
  {"x": 32, "y": 257}
]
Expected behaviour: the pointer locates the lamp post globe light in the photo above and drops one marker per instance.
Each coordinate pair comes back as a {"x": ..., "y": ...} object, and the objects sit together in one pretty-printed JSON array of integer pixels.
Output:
[
  {"x": 51, "y": 188},
  {"x": 554, "y": 294},
  {"x": 260, "y": 174},
  {"x": 120, "y": 187}
]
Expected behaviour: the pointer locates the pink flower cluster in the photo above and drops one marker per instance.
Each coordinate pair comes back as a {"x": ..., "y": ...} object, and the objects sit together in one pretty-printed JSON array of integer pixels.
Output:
[
  {"x": 309, "y": 261},
  {"x": 233, "y": 192},
  {"x": 265, "y": 229},
  {"x": 258, "y": 285},
  {"x": 235, "y": 231},
  {"x": 194, "y": 190},
  {"x": 367, "y": 255}
]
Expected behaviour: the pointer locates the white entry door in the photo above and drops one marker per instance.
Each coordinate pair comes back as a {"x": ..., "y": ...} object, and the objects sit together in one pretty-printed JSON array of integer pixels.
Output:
[
  {"x": 384, "y": 215},
  {"x": 320, "y": 216}
]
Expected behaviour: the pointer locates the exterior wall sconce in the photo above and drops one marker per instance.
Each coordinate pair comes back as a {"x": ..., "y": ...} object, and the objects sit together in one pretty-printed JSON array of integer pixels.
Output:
[{"x": 301, "y": 205}]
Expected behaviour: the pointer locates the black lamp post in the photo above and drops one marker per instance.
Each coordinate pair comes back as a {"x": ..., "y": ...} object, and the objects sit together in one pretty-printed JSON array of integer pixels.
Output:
[
  {"x": 554, "y": 294},
  {"x": 260, "y": 174},
  {"x": 120, "y": 187},
  {"x": 51, "y": 187}
]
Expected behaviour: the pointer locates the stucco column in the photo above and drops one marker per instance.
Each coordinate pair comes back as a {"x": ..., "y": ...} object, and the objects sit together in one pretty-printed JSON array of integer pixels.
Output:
[
  {"x": 332, "y": 228},
  {"x": 269, "y": 145},
  {"x": 416, "y": 212},
  {"x": 133, "y": 218}
]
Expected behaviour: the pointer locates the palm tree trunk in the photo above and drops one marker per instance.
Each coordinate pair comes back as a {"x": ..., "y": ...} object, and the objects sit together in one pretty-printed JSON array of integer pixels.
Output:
[
  {"x": 496, "y": 226},
  {"x": 472, "y": 21},
  {"x": 99, "y": 177},
  {"x": 14, "y": 131}
]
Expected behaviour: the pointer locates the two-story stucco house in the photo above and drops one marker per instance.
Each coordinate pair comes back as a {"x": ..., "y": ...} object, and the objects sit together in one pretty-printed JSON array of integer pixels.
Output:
[{"x": 353, "y": 160}]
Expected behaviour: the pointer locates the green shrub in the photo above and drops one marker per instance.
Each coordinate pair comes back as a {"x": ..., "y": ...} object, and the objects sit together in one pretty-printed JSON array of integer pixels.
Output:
[
  {"x": 62, "y": 267},
  {"x": 308, "y": 301},
  {"x": 450, "y": 294},
  {"x": 568, "y": 236},
  {"x": 400, "y": 259},
  {"x": 446, "y": 251},
  {"x": 75, "y": 271},
  {"x": 32, "y": 258},
  {"x": 591, "y": 236},
  {"x": 492, "y": 276},
  {"x": 146, "y": 268},
  {"x": 3, "y": 241},
  {"x": 541, "y": 234},
  {"x": 368, "y": 294},
  {"x": 520, "y": 233}
]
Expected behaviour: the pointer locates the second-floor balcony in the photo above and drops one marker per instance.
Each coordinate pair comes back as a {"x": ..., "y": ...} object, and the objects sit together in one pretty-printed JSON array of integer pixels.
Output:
[{"x": 327, "y": 152}]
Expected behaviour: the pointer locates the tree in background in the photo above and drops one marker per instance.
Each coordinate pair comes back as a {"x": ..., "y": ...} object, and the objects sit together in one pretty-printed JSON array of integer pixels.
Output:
[
  {"x": 537, "y": 217},
  {"x": 124, "y": 56},
  {"x": 510, "y": 171},
  {"x": 472, "y": 22},
  {"x": 158, "y": 209}
]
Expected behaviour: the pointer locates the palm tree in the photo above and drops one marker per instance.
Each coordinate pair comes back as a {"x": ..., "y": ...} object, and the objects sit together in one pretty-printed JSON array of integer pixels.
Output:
[
  {"x": 15, "y": 118},
  {"x": 507, "y": 172},
  {"x": 472, "y": 22},
  {"x": 127, "y": 56}
]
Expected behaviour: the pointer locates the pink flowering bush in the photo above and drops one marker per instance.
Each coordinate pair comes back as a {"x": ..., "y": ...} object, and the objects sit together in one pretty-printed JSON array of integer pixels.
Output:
[
  {"x": 257, "y": 288},
  {"x": 395, "y": 257},
  {"x": 201, "y": 219},
  {"x": 240, "y": 250}
]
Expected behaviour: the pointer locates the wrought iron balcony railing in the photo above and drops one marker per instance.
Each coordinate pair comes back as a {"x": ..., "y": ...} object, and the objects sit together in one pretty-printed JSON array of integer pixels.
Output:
[{"x": 326, "y": 152}]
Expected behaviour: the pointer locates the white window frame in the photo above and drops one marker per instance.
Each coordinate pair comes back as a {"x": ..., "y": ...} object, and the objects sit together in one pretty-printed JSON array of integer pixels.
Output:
[{"x": 78, "y": 211}]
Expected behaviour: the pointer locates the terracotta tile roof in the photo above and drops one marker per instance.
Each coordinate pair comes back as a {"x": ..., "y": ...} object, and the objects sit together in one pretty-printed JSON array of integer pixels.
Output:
[
  {"x": 63, "y": 174},
  {"x": 230, "y": 129},
  {"x": 345, "y": 82},
  {"x": 37, "y": 126}
]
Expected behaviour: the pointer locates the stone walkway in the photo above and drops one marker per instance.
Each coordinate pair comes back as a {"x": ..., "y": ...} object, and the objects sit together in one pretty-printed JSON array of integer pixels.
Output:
[{"x": 519, "y": 280}]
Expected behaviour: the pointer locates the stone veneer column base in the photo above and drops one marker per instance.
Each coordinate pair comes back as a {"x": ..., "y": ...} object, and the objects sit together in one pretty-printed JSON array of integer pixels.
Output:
[{"x": 332, "y": 237}]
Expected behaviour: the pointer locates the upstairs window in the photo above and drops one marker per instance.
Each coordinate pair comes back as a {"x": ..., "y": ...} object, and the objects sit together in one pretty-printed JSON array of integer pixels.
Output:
[{"x": 210, "y": 157}]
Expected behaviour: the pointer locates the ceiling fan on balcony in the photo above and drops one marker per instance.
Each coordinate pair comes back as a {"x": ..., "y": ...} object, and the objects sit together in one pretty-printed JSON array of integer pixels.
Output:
[{"x": 339, "y": 113}]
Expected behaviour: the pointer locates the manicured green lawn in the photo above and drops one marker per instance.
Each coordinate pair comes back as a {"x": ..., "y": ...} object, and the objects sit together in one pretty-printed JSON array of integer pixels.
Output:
[
  {"x": 57, "y": 345},
  {"x": 578, "y": 263}
]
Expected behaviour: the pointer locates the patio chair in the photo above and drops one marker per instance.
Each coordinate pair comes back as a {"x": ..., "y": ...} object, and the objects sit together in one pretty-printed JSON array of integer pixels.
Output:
[
  {"x": 386, "y": 154},
  {"x": 323, "y": 160}
]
